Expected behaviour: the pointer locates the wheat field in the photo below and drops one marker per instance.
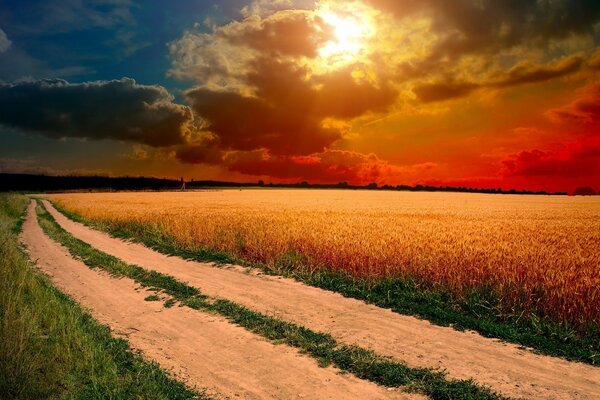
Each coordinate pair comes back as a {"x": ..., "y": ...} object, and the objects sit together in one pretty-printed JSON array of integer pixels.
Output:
[{"x": 539, "y": 253}]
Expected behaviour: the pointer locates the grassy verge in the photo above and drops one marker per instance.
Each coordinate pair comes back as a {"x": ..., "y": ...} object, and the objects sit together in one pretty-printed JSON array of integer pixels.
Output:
[
  {"x": 480, "y": 311},
  {"x": 51, "y": 348},
  {"x": 363, "y": 363}
]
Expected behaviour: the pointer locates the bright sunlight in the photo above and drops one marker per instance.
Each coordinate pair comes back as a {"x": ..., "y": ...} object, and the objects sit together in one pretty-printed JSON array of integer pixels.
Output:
[{"x": 350, "y": 32}]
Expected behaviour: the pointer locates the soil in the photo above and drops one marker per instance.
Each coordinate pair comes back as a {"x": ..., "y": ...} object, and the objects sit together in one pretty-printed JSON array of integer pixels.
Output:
[{"x": 204, "y": 350}]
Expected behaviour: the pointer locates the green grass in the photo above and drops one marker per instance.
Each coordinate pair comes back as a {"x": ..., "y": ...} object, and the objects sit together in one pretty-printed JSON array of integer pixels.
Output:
[
  {"x": 50, "y": 348},
  {"x": 363, "y": 363},
  {"x": 479, "y": 311}
]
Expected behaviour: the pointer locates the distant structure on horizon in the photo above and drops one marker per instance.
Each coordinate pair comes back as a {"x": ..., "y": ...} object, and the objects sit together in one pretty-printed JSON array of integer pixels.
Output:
[{"x": 584, "y": 191}]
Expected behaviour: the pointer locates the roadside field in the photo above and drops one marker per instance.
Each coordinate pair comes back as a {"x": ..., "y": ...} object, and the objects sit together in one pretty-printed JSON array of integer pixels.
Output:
[
  {"x": 532, "y": 253},
  {"x": 528, "y": 264},
  {"x": 334, "y": 328}
]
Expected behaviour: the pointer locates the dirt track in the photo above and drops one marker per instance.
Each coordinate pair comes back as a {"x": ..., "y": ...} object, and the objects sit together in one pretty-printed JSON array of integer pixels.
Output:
[
  {"x": 505, "y": 367},
  {"x": 202, "y": 349}
]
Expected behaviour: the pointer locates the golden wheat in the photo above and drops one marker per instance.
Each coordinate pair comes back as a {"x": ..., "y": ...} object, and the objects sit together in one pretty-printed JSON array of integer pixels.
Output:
[{"x": 539, "y": 253}]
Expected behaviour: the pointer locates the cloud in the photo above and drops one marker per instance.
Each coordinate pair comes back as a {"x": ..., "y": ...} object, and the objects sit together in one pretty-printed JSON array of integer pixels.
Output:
[
  {"x": 287, "y": 112},
  {"x": 576, "y": 159},
  {"x": 594, "y": 60},
  {"x": 440, "y": 91},
  {"x": 530, "y": 73},
  {"x": 330, "y": 166},
  {"x": 258, "y": 90},
  {"x": 291, "y": 32},
  {"x": 205, "y": 150},
  {"x": 4, "y": 42},
  {"x": 584, "y": 109},
  {"x": 61, "y": 16},
  {"x": 266, "y": 7},
  {"x": 119, "y": 110},
  {"x": 222, "y": 57},
  {"x": 138, "y": 153},
  {"x": 484, "y": 26},
  {"x": 521, "y": 74}
]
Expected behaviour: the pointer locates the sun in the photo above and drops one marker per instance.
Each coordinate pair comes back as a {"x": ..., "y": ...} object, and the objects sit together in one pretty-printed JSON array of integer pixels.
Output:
[{"x": 350, "y": 32}]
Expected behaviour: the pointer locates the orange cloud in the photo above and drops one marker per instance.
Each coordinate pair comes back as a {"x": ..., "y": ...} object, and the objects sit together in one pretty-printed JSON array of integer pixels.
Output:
[
  {"x": 520, "y": 74},
  {"x": 584, "y": 109}
]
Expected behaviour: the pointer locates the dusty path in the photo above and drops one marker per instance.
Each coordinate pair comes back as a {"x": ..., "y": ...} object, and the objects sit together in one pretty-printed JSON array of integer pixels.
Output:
[
  {"x": 504, "y": 367},
  {"x": 203, "y": 349}
]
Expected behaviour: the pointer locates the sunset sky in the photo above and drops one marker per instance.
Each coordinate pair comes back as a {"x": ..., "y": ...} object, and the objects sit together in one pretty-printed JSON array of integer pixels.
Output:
[{"x": 485, "y": 93}]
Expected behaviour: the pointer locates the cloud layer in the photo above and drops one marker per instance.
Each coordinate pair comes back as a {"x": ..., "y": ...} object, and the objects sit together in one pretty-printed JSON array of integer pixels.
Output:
[
  {"x": 391, "y": 91},
  {"x": 120, "y": 110}
]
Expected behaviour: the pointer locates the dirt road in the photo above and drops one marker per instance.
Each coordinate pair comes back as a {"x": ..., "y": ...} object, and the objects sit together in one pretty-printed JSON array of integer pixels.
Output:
[
  {"x": 202, "y": 349},
  {"x": 504, "y": 367}
]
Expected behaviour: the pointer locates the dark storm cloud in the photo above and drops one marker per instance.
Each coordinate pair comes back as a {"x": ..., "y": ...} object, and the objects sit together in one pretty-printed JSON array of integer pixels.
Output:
[
  {"x": 248, "y": 123},
  {"x": 286, "y": 115},
  {"x": 120, "y": 110}
]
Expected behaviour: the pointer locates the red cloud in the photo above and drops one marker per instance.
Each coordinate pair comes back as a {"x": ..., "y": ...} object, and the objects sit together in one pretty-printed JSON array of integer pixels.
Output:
[
  {"x": 578, "y": 159},
  {"x": 330, "y": 166}
]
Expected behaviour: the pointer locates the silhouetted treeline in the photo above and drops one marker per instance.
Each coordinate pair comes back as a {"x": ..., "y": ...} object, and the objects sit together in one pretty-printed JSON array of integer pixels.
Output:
[
  {"x": 416, "y": 188},
  {"x": 44, "y": 183}
]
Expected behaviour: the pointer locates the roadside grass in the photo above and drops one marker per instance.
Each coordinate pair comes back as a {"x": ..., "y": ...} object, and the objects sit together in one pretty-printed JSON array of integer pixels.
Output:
[
  {"x": 323, "y": 347},
  {"x": 52, "y": 349},
  {"x": 479, "y": 311}
]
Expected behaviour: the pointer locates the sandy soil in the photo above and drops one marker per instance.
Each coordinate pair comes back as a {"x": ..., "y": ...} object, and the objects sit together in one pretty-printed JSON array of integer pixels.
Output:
[
  {"x": 506, "y": 368},
  {"x": 202, "y": 349}
]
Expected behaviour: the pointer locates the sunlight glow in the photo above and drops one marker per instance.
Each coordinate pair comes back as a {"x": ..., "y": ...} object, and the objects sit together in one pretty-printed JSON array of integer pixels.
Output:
[{"x": 350, "y": 34}]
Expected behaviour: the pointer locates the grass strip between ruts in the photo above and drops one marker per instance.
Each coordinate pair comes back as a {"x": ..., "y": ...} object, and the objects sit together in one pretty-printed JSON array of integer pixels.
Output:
[
  {"x": 51, "y": 348},
  {"x": 362, "y": 363}
]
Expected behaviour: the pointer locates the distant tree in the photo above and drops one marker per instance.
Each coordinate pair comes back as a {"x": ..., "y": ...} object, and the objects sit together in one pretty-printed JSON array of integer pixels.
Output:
[
  {"x": 261, "y": 183},
  {"x": 343, "y": 184},
  {"x": 372, "y": 185},
  {"x": 584, "y": 191}
]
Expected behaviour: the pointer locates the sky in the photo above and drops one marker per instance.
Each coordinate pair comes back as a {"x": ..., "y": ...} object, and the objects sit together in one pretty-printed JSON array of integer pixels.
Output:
[{"x": 480, "y": 93}]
